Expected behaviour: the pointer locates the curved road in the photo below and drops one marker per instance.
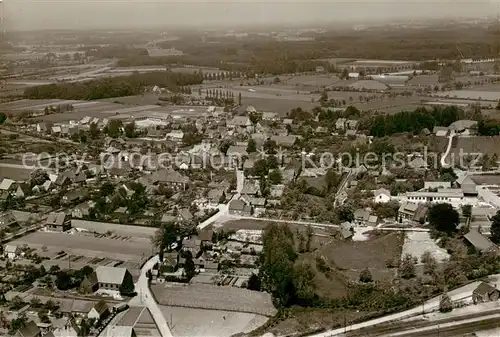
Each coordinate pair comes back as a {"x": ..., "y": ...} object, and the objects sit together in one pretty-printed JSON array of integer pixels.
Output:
[
  {"x": 448, "y": 149},
  {"x": 145, "y": 298}
]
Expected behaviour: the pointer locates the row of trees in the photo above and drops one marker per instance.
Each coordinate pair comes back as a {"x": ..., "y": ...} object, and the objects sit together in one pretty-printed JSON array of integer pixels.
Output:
[
  {"x": 281, "y": 274},
  {"x": 413, "y": 121},
  {"x": 113, "y": 87},
  {"x": 488, "y": 128}
]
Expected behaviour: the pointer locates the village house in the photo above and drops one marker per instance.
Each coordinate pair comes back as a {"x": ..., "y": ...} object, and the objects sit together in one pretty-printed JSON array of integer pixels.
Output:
[
  {"x": 7, "y": 219},
  {"x": 463, "y": 127},
  {"x": 240, "y": 124},
  {"x": 191, "y": 244},
  {"x": 440, "y": 131},
  {"x": 346, "y": 230},
  {"x": 11, "y": 251},
  {"x": 418, "y": 163},
  {"x": 106, "y": 278},
  {"x": 175, "y": 135},
  {"x": 340, "y": 124},
  {"x": 381, "y": 195},
  {"x": 8, "y": 185},
  {"x": 215, "y": 196},
  {"x": 480, "y": 242},
  {"x": 412, "y": 212},
  {"x": 30, "y": 330},
  {"x": 58, "y": 221},
  {"x": 99, "y": 311},
  {"x": 485, "y": 293},
  {"x": 69, "y": 328},
  {"x": 23, "y": 190},
  {"x": 170, "y": 178},
  {"x": 428, "y": 185},
  {"x": 239, "y": 207},
  {"x": 270, "y": 116},
  {"x": 351, "y": 124},
  {"x": 82, "y": 210},
  {"x": 284, "y": 141}
]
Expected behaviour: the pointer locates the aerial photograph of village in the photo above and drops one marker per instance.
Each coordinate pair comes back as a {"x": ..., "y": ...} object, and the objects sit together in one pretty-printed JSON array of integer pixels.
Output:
[{"x": 249, "y": 169}]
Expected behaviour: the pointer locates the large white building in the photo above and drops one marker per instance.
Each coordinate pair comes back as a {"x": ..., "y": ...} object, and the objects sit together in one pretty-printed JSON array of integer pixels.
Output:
[{"x": 455, "y": 197}]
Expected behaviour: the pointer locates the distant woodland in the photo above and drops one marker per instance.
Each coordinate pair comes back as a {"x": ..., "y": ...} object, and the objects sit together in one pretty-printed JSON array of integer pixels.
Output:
[{"x": 113, "y": 87}]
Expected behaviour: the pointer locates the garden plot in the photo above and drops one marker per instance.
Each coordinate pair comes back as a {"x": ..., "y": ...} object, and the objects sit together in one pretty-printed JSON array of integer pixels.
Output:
[{"x": 417, "y": 243}]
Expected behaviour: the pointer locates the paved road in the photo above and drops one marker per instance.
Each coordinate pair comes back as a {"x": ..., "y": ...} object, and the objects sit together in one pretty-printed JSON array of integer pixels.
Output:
[
  {"x": 298, "y": 222},
  {"x": 145, "y": 298},
  {"x": 224, "y": 208},
  {"x": 448, "y": 149}
]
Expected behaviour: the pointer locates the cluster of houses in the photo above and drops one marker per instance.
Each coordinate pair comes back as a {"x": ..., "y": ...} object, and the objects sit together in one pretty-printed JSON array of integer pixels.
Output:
[
  {"x": 229, "y": 260},
  {"x": 71, "y": 310}
]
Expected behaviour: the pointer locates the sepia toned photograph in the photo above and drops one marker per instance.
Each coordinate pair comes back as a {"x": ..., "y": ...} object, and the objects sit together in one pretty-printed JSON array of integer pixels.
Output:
[{"x": 249, "y": 168}]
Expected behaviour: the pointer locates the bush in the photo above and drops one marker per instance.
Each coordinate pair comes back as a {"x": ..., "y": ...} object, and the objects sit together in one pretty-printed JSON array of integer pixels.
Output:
[
  {"x": 445, "y": 304},
  {"x": 365, "y": 276}
]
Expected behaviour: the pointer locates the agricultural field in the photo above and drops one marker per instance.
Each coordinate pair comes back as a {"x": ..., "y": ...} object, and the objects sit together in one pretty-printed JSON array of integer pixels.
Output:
[
  {"x": 489, "y": 93},
  {"x": 202, "y": 322},
  {"x": 14, "y": 173},
  {"x": 471, "y": 145},
  {"x": 211, "y": 297}
]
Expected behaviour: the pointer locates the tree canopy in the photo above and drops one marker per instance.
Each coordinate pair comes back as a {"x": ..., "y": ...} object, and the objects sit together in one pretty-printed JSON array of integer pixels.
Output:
[
  {"x": 443, "y": 218},
  {"x": 113, "y": 87},
  {"x": 414, "y": 121},
  {"x": 495, "y": 228}
]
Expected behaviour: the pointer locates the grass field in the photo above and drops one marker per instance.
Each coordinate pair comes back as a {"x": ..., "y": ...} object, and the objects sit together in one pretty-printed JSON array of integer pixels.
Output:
[
  {"x": 201, "y": 322},
  {"x": 203, "y": 296},
  {"x": 480, "y": 144}
]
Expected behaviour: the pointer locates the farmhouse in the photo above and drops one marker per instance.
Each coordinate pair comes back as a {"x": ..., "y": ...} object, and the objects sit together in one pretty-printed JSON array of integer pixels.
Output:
[
  {"x": 58, "y": 221},
  {"x": 480, "y": 242},
  {"x": 412, "y": 211},
  {"x": 464, "y": 127},
  {"x": 485, "y": 293},
  {"x": 239, "y": 207},
  {"x": 170, "y": 178},
  {"x": 107, "y": 278}
]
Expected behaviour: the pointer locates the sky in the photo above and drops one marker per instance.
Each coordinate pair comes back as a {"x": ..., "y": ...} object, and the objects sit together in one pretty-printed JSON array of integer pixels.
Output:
[{"x": 133, "y": 14}]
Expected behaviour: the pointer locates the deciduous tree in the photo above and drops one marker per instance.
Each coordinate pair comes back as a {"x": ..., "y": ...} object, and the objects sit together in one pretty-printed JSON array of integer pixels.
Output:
[
  {"x": 443, "y": 218},
  {"x": 495, "y": 228}
]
